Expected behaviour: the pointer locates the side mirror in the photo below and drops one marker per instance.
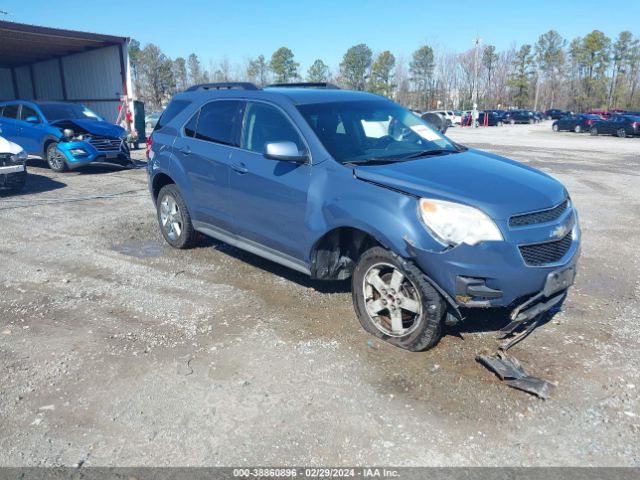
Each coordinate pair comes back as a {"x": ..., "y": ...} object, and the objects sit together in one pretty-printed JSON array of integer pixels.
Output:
[
  {"x": 32, "y": 119},
  {"x": 284, "y": 151}
]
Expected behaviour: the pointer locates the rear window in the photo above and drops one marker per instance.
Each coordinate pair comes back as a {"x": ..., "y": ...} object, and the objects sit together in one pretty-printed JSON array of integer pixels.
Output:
[
  {"x": 10, "y": 111},
  {"x": 174, "y": 108},
  {"x": 217, "y": 122}
]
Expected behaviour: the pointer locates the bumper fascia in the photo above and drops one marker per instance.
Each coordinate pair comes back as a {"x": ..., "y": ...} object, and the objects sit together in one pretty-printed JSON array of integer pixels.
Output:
[
  {"x": 498, "y": 265},
  {"x": 92, "y": 155}
]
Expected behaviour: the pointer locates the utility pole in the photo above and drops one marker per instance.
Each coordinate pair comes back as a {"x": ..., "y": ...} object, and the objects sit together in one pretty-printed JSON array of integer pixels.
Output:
[{"x": 474, "y": 113}]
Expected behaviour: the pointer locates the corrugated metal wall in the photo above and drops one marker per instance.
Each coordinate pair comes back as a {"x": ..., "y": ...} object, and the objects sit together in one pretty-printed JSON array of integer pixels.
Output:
[
  {"x": 93, "y": 75},
  {"x": 92, "y": 78},
  {"x": 6, "y": 84},
  {"x": 48, "y": 81},
  {"x": 23, "y": 80}
]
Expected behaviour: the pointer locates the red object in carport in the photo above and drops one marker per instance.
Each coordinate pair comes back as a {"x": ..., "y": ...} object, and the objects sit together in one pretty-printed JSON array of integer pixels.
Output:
[{"x": 148, "y": 150}]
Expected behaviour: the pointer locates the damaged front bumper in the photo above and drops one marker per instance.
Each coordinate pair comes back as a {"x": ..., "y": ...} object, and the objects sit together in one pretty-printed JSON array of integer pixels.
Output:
[
  {"x": 81, "y": 153},
  {"x": 492, "y": 274},
  {"x": 495, "y": 274}
]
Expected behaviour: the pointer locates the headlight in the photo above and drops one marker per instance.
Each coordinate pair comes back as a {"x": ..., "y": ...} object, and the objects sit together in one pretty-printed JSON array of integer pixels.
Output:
[
  {"x": 68, "y": 133},
  {"x": 454, "y": 223},
  {"x": 20, "y": 157}
]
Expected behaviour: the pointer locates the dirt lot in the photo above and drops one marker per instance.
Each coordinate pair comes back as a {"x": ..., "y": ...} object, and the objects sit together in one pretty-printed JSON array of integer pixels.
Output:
[{"x": 117, "y": 350}]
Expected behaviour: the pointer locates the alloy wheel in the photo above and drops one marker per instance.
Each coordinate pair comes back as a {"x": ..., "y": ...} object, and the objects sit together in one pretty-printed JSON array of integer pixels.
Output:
[
  {"x": 622, "y": 133},
  {"x": 55, "y": 158},
  {"x": 392, "y": 301},
  {"x": 171, "y": 217}
]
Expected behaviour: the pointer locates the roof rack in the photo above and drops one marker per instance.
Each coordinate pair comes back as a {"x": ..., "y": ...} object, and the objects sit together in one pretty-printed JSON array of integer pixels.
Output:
[
  {"x": 327, "y": 85},
  {"x": 223, "y": 86}
]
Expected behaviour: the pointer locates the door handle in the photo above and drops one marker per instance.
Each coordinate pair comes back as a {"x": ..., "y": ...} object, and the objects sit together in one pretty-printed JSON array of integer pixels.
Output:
[
  {"x": 239, "y": 168},
  {"x": 185, "y": 150}
]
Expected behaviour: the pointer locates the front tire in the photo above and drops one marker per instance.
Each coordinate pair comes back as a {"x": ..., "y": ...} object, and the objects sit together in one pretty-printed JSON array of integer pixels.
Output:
[
  {"x": 55, "y": 158},
  {"x": 395, "y": 302},
  {"x": 555, "y": 128},
  {"x": 622, "y": 133},
  {"x": 174, "y": 218}
]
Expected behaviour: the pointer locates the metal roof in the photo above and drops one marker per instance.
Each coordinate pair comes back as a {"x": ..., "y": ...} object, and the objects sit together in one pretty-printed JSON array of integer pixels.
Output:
[{"x": 22, "y": 44}]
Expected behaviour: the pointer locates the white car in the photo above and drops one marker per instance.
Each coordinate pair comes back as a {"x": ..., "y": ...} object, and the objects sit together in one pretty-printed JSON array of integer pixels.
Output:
[
  {"x": 13, "y": 169},
  {"x": 449, "y": 115}
]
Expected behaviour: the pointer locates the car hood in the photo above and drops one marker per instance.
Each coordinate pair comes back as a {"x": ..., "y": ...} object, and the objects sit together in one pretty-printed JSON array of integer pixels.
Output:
[
  {"x": 9, "y": 147},
  {"x": 104, "y": 129},
  {"x": 498, "y": 186}
]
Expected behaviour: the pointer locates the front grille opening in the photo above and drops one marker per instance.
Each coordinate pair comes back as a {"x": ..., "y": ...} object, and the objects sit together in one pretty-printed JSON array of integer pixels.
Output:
[
  {"x": 105, "y": 144},
  {"x": 542, "y": 216},
  {"x": 545, "y": 253}
]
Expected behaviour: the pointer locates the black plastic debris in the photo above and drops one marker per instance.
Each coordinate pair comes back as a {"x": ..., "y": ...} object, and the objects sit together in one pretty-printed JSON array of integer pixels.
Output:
[{"x": 509, "y": 370}]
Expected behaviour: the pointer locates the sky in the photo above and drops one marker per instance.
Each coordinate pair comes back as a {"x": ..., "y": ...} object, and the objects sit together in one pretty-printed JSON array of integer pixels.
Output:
[{"x": 325, "y": 29}]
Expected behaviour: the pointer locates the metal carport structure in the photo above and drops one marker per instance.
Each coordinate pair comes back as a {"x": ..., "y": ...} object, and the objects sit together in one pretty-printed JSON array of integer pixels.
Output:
[{"x": 42, "y": 63}]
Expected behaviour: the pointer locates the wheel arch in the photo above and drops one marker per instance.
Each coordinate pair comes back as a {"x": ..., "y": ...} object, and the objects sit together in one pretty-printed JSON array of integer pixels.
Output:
[
  {"x": 335, "y": 254},
  {"x": 160, "y": 180}
]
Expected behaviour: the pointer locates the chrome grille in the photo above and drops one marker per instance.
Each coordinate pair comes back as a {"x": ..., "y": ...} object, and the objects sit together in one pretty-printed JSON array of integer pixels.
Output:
[
  {"x": 541, "y": 216},
  {"x": 548, "y": 252},
  {"x": 106, "y": 144}
]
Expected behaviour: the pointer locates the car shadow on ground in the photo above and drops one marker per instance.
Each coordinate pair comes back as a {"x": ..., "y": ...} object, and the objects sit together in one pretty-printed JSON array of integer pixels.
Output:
[
  {"x": 322, "y": 286},
  {"x": 35, "y": 184},
  {"x": 93, "y": 169},
  {"x": 488, "y": 320}
]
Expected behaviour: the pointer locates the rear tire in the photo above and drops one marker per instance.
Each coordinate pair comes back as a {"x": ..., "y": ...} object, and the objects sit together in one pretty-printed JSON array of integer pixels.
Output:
[
  {"x": 174, "y": 218},
  {"x": 512, "y": 122},
  {"x": 577, "y": 129},
  {"x": 593, "y": 131},
  {"x": 394, "y": 301},
  {"x": 55, "y": 158}
]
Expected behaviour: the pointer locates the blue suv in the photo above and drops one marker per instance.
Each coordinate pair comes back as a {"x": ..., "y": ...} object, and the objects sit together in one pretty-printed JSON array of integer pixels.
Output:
[
  {"x": 67, "y": 135},
  {"x": 338, "y": 184}
]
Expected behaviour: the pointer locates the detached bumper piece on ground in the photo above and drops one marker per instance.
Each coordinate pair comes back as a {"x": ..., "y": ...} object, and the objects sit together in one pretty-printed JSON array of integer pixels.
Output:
[
  {"x": 509, "y": 370},
  {"x": 524, "y": 320}
]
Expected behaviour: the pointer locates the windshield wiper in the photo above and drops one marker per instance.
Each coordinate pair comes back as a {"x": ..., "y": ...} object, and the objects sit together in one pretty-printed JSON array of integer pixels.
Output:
[
  {"x": 363, "y": 161},
  {"x": 428, "y": 153}
]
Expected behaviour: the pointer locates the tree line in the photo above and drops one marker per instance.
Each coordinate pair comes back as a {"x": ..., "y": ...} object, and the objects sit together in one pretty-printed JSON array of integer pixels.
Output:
[{"x": 588, "y": 72}]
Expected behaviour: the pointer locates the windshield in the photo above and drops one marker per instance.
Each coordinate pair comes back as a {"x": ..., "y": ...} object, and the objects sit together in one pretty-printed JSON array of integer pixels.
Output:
[
  {"x": 67, "y": 111},
  {"x": 360, "y": 131}
]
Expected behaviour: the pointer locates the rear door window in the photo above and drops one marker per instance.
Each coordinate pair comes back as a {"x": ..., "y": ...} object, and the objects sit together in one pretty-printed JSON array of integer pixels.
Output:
[
  {"x": 218, "y": 122},
  {"x": 10, "y": 111}
]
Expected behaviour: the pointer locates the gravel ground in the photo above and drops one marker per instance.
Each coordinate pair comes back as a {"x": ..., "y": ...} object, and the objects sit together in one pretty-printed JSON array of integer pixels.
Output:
[{"x": 117, "y": 350}]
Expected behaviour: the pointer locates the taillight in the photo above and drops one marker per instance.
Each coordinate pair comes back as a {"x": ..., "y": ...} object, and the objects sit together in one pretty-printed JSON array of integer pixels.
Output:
[
  {"x": 589, "y": 122},
  {"x": 149, "y": 144}
]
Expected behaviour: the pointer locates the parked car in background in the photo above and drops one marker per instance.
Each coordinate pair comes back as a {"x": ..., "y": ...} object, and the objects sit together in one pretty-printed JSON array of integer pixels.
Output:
[
  {"x": 490, "y": 118},
  {"x": 556, "y": 113},
  {"x": 520, "y": 116},
  {"x": 13, "y": 168},
  {"x": 437, "y": 121},
  {"x": 151, "y": 119},
  {"x": 66, "y": 135},
  {"x": 619, "y": 125},
  {"x": 340, "y": 184},
  {"x": 603, "y": 114},
  {"x": 448, "y": 115},
  {"x": 575, "y": 123}
]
